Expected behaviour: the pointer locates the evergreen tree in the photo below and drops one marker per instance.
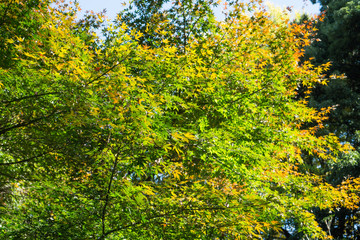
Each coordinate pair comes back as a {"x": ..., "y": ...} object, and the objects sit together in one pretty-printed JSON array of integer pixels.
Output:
[{"x": 338, "y": 41}]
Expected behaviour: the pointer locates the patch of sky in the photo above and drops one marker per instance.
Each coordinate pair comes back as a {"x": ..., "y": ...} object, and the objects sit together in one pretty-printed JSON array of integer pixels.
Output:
[
  {"x": 115, "y": 6},
  {"x": 112, "y": 7}
]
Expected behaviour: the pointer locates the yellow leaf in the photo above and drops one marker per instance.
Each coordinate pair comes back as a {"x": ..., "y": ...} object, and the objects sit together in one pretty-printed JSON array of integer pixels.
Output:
[
  {"x": 176, "y": 135},
  {"x": 190, "y": 136}
]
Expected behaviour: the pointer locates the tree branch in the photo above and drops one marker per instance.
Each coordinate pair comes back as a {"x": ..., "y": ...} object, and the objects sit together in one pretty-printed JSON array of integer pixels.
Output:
[
  {"x": 24, "y": 124},
  {"x": 22, "y": 161},
  {"x": 103, "y": 218},
  {"x": 27, "y": 97}
]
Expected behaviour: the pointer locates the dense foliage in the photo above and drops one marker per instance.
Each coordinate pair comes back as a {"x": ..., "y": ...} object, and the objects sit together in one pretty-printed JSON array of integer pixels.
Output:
[
  {"x": 338, "y": 41},
  {"x": 194, "y": 132}
]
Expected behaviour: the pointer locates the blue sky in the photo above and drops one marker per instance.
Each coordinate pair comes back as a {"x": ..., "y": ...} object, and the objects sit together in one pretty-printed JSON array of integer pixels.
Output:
[
  {"x": 299, "y": 5},
  {"x": 114, "y": 6}
]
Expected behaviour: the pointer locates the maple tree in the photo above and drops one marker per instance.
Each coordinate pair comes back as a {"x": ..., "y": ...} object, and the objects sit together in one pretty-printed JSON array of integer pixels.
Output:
[{"x": 118, "y": 139}]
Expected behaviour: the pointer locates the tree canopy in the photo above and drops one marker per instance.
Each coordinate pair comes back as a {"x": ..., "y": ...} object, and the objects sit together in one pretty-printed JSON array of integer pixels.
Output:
[
  {"x": 338, "y": 42},
  {"x": 195, "y": 131}
]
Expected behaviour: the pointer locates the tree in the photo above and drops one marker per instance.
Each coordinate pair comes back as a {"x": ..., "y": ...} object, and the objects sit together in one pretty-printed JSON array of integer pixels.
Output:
[
  {"x": 121, "y": 139},
  {"x": 338, "y": 36}
]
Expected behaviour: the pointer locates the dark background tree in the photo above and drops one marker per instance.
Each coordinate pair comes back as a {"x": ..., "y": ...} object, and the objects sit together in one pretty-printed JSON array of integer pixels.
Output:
[{"x": 339, "y": 42}]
